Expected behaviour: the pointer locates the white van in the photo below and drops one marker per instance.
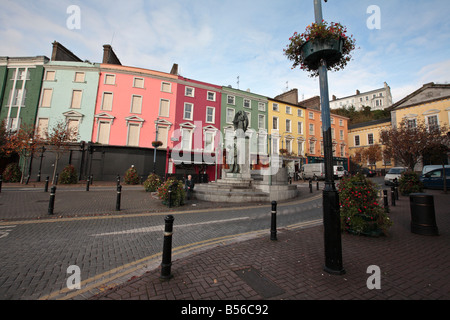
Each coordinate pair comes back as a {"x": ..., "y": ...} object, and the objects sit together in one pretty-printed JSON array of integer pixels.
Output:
[{"x": 316, "y": 171}]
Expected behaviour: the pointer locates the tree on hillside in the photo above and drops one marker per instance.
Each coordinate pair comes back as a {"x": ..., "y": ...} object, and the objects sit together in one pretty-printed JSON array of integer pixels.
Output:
[{"x": 408, "y": 143}]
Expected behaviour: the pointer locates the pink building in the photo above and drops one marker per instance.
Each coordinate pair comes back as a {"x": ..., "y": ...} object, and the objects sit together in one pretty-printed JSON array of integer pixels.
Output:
[
  {"x": 197, "y": 128},
  {"x": 134, "y": 104}
]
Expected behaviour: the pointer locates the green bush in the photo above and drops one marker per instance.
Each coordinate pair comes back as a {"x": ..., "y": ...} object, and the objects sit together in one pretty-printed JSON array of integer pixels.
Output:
[
  {"x": 69, "y": 175},
  {"x": 12, "y": 173},
  {"x": 409, "y": 182},
  {"x": 152, "y": 183},
  {"x": 360, "y": 210},
  {"x": 131, "y": 176},
  {"x": 178, "y": 193}
]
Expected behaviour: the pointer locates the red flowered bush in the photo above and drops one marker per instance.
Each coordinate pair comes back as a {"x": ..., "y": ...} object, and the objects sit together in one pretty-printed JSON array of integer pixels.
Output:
[{"x": 360, "y": 208}]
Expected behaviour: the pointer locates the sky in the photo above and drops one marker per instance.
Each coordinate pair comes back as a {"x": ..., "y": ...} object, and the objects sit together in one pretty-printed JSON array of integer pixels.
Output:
[{"x": 403, "y": 43}]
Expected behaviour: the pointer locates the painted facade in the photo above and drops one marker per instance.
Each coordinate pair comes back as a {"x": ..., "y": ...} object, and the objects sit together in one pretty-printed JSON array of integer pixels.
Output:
[
  {"x": 287, "y": 131},
  {"x": 197, "y": 128},
  {"x": 132, "y": 103},
  {"x": 68, "y": 94},
  {"x": 255, "y": 106},
  {"x": 21, "y": 87}
]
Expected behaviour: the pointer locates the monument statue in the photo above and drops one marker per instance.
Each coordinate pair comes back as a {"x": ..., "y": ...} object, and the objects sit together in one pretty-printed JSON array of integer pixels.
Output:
[{"x": 240, "y": 123}]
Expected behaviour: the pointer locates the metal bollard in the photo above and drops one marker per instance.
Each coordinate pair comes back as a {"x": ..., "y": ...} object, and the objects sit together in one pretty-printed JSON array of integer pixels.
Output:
[
  {"x": 46, "y": 184},
  {"x": 51, "y": 203},
  {"x": 396, "y": 192},
  {"x": 119, "y": 192},
  {"x": 118, "y": 179},
  {"x": 385, "y": 199},
  {"x": 310, "y": 186},
  {"x": 392, "y": 196},
  {"x": 167, "y": 249},
  {"x": 87, "y": 184},
  {"x": 92, "y": 179},
  {"x": 317, "y": 185},
  {"x": 273, "y": 224}
]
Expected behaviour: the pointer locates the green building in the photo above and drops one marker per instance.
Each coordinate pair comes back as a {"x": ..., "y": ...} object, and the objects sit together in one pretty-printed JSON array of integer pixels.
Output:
[{"x": 20, "y": 84}]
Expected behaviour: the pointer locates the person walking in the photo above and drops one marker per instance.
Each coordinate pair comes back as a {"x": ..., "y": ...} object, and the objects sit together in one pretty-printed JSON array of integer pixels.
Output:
[{"x": 189, "y": 187}]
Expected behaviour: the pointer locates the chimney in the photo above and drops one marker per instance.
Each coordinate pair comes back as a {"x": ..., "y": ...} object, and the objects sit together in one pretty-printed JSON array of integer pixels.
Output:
[
  {"x": 358, "y": 92},
  {"x": 334, "y": 97},
  {"x": 109, "y": 56},
  {"x": 61, "y": 53},
  {"x": 174, "y": 70}
]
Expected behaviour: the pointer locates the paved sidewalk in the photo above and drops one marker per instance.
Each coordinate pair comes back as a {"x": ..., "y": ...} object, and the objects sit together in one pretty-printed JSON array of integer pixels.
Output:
[{"x": 413, "y": 267}]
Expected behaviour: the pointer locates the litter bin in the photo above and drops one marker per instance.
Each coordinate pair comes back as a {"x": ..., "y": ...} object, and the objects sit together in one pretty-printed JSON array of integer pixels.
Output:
[{"x": 423, "y": 219}]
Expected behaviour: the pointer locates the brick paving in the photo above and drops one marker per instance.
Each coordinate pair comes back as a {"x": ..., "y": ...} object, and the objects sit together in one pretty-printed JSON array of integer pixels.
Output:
[{"x": 413, "y": 267}]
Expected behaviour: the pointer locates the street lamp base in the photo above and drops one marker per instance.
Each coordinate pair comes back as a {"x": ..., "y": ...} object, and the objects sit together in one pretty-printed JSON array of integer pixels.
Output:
[{"x": 333, "y": 271}]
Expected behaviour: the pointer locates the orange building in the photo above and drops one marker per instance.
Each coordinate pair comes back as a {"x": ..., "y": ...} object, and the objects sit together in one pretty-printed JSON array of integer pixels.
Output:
[{"x": 314, "y": 134}]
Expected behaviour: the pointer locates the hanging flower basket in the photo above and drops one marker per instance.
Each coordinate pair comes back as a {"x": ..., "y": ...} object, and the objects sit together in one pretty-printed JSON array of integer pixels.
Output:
[
  {"x": 320, "y": 41},
  {"x": 156, "y": 144}
]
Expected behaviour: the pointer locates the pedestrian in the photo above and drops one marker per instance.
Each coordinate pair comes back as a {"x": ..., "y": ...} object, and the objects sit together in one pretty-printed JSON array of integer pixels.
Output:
[{"x": 189, "y": 187}]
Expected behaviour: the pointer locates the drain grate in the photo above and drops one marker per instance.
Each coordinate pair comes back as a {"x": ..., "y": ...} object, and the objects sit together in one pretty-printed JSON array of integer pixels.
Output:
[{"x": 259, "y": 283}]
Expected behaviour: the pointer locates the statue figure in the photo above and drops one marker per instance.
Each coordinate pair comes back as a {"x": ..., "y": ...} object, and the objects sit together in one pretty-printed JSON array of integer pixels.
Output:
[{"x": 240, "y": 123}]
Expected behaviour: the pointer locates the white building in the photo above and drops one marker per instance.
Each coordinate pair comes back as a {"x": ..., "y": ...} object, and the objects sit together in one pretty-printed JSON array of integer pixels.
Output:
[{"x": 378, "y": 99}]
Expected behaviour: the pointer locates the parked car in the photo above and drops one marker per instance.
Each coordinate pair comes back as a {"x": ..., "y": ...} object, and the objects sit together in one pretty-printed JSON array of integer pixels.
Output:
[
  {"x": 393, "y": 173},
  {"x": 367, "y": 172},
  {"x": 338, "y": 172},
  {"x": 432, "y": 167},
  {"x": 433, "y": 179}
]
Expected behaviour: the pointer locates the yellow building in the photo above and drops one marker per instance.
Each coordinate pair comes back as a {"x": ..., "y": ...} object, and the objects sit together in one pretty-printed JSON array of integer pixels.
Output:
[
  {"x": 361, "y": 136},
  {"x": 286, "y": 128}
]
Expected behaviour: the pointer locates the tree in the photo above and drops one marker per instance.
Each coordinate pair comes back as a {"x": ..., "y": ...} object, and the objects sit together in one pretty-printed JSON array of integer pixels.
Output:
[
  {"x": 59, "y": 138},
  {"x": 408, "y": 143}
]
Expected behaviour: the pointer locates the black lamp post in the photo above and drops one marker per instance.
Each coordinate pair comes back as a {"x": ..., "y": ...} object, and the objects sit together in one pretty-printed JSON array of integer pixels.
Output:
[
  {"x": 331, "y": 212},
  {"x": 40, "y": 164}
]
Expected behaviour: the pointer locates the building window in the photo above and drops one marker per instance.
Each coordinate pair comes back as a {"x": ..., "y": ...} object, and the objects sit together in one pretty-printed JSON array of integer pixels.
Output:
[
  {"x": 411, "y": 123},
  {"x": 357, "y": 141},
  {"x": 166, "y": 87},
  {"x": 230, "y": 115},
  {"x": 262, "y": 144},
  {"x": 249, "y": 116},
  {"x": 210, "y": 113},
  {"x": 289, "y": 145},
  {"x": 50, "y": 75},
  {"x": 432, "y": 122},
  {"x": 76, "y": 99},
  {"x": 341, "y": 122},
  {"x": 188, "y": 110},
  {"x": 312, "y": 147},
  {"x": 299, "y": 113},
  {"x": 342, "y": 151},
  {"x": 110, "y": 79},
  {"x": 211, "y": 96},
  {"x": 311, "y": 115},
  {"x": 42, "y": 129},
  {"x": 299, "y": 148},
  {"x": 288, "y": 125},
  {"x": 138, "y": 83},
  {"x": 332, "y": 133},
  {"x": 186, "y": 139},
  {"x": 72, "y": 126},
  {"x": 104, "y": 129},
  {"x": 370, "y": 138},
  {"x": 164, "y": 106},
  {"x": 136, "y": 104},
  {"x": 230, "y": 100},
  {"x": 261, "y": 121},
  {"x": 275, "y": 145},
  {"x": 107, "y": 101},
  {"x": 275, "y": 107},
  {"x": 189, "y": 92},
  {"x": 311, "y": 129},
  {"x": 261, "y": 106},
  {"x": 19, "y": 97},
  {"x": 79, "y": 77},
  {"x": 341, "y": 134},
  {"x": 209, "y": 141},
  {"x": 133, "y": 134},
  {"x": 46, "y": 98},
  {"x": 300, "y": 127},
  {"x": 275, "y": 123},
  {"x": 163, "y": 133},
  {"x": 247, "y": 103},
  {"x": 288, "y": 110}
]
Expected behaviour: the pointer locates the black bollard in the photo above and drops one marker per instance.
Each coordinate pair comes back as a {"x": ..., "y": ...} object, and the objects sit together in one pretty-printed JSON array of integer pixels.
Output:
[
  {"x": 273, "y": 224},
  {"x": 167, "y": 249},
  {"x": 317, "y": 185},
  {"x": 56, "y": 179},
  {"x": 118, "y": 179},
  {"x": 1, "y": 181},
  {"x": 396, "y": 192},
  {"x": 46, "y": 184},
  {"x": 51, "y": 203},
  {"x": 393, "y": 196},
  {"x": 310, "y": 186},
  {"x": 385, "y": 199},
  {"x": 92, "y": 179},
  {"x": 119, "y": 192},
  {"x": 87, "y": 184}
]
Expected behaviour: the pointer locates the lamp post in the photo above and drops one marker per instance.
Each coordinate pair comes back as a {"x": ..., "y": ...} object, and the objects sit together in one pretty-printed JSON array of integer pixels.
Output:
[
  {"x": 154, "y": 151},
  {"x": 331, "y": 212},
  {"x": 40, "y": 164}
]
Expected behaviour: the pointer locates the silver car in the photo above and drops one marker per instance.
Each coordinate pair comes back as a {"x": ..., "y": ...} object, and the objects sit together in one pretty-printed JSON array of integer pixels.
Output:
[{"x": 393, "y": 173}]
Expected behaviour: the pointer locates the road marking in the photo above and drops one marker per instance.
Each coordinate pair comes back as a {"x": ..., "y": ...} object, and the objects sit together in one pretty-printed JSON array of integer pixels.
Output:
[
  {"x": 5, "y": 232},
  {"x": 161, "y": 228}
]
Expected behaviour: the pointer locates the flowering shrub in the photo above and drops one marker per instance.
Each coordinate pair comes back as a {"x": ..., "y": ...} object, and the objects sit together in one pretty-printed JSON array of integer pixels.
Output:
[
  {"x": 68, "y": 175},
  {"x": 12, "y": 173},
  {"x": 131, "y": 176},
  {"x": 152, "y": 183},
  {"x": 320, "y": 32},
  {"x": 361, "y": 212},
  {"x": 178, "y": 193},
  {"x": 409, "y": 183}
]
